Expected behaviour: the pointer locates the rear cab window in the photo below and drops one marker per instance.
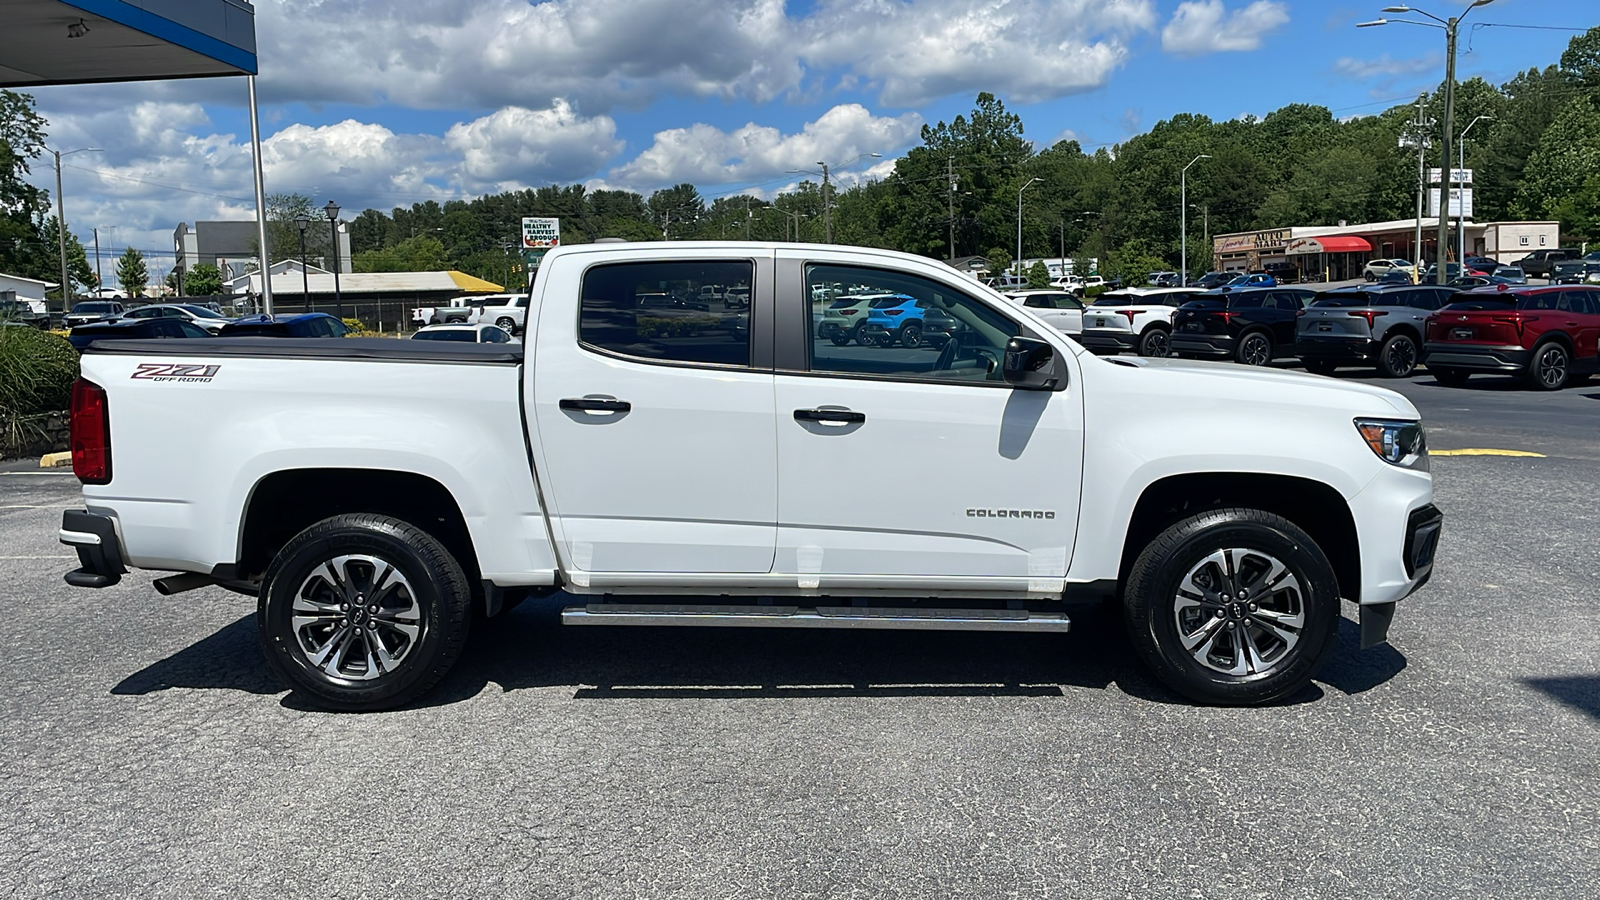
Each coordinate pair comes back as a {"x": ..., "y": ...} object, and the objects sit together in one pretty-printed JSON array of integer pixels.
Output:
[{"x": 642, "y": 310}]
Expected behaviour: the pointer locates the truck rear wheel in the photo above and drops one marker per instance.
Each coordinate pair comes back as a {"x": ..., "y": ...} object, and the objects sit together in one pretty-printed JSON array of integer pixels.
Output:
[
  {"x": 1232, "y": 607},
  {"x": 363, "y": 612}
]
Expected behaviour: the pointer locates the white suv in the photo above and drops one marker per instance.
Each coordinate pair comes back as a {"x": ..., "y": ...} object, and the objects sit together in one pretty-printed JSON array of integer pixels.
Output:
[
  {"x": 509, "y": 311},
  {"x": 1134, "y": 319}
]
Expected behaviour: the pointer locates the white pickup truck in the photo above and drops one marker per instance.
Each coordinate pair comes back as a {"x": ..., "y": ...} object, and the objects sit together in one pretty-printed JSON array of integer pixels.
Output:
[{"x": 678, "y": 466}]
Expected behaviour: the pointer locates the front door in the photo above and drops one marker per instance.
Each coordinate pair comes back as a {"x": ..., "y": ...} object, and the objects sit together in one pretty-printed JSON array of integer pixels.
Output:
[
  {"x": 919, "y": 467},
  {"x": 655, "y": 429}
]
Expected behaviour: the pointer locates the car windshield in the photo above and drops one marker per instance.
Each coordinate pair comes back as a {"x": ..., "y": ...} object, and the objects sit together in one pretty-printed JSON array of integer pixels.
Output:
[
  {"x": 1510, "y": 272},
  {"x": 454, "y": 334},
  {"x": 1348, "y": 298},
  {"x": 202, "y": 312},
  {"x": 92, "y": 307},
  {"x": 886, "y": 302},
  {"x": 845, "y": 302}
]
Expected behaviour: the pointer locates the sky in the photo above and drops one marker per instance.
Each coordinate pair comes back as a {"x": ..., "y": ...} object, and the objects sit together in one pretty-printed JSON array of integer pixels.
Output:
[{"x": 383, "y": 103}]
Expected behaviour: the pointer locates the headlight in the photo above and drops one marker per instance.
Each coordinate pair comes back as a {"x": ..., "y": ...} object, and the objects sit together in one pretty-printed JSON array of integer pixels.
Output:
[{"x": 1397, "y": 442}]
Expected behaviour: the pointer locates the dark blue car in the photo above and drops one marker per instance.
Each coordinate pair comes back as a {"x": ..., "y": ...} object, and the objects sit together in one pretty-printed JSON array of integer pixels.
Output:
[{"x": 298, "y": 325}]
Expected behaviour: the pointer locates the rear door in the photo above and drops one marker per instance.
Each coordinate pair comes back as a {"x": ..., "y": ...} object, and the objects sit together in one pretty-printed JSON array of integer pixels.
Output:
[
  {"x": 1584, "y": 306},
  {"x": 919, "y": 467},
  {"x": 655, "y": 426},
  {"x": 1280, "y": 311}
]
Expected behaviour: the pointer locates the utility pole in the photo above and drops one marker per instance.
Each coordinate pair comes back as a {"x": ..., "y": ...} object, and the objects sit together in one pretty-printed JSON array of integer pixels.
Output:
[
  {"x": 1449, "y": 124},
  {"x": 747, "y": 215},
  {"x": 827, "y": 208},
  {"x": 950, "y": 172},
  {"x": 61, "y": 237},
  {"x": 1018, "y": 261},
  {"x": 1418, "y": 138},
  {"x": 99, "y": 280}
]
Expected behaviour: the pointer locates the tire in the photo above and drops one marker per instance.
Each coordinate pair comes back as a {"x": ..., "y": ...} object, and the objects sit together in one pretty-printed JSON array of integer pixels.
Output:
[
  {"x": 1397, "y": 358},
  {"x": 1369, "y": 276},
  {"x": 1319, "y": 367},
  {"x": 1550, "y": 367},
  {"x": 424, "y": 585},
  {"x": 1172, "y": 597},
  {"x": 1156, "y": 341},
  {"x": 1255, "y": 349},
  {"x": 506, "y": 324},
  {"x": 1450, "y": 377},
  {"x": 839, "y": 338},
  {"x": 856, "y": 335},
  {"x": 910, "y": 335}
]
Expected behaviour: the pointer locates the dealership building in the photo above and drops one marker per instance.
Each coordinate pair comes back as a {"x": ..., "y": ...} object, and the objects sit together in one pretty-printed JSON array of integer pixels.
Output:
[{"x": 1338, "y": 252}]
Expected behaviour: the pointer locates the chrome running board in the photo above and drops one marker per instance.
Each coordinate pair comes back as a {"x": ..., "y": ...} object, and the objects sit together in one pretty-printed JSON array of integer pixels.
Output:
[{"x": 736, "y": 616}]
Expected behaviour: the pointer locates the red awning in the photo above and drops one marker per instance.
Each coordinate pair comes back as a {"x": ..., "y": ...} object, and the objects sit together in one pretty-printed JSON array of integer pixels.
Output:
[{"x": 1329, "y": 245}]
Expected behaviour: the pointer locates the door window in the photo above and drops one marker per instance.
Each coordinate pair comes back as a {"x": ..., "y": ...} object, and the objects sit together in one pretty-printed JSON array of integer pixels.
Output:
[
  {"x": 945, "y": 335},
  {"x": 1581, "y": 302},
  {"x": 643, "y": 310}
]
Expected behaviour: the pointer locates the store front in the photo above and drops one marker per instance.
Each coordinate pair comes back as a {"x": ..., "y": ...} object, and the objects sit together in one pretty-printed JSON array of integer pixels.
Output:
[{"x": 1333, "y": 258}]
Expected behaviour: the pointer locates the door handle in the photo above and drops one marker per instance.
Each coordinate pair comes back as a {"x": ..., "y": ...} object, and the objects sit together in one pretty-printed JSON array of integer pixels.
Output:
[
  {"x": 827, "y": 414},
  {"x": 595, "y": 404}
]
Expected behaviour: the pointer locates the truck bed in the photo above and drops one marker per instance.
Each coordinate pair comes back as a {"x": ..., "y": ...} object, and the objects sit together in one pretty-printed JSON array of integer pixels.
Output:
[{"x": 387, "y": 349}]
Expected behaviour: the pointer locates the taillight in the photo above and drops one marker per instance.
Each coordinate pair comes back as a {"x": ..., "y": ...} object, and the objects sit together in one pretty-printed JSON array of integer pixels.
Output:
[
  {"x": 1509, "y": 320},
  {"x": 1130, "y": 313},
  {"x": 1227, "y": 317},
  {"x": 1368, "y": 314},
  {"x": 893, "y": 312},
  {"x": 848, "y": 312},
  {"x": 90, "y": 427}
]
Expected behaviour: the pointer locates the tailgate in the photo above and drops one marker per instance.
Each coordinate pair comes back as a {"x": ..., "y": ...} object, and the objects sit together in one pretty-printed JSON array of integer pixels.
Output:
[
  {"x": 1334, "y": 322},
  {"x": 1117, "y": 318}
]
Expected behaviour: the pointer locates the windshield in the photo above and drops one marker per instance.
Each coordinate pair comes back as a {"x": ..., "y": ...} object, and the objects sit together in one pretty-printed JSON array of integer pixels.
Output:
[
  {"x": 202, "y": 312},
  {"x": 93, "y": 307},
  {"x": 846, "y": 302},
  {"x": 462, "y": 334},
  {"x": 1347, "y": 298}
]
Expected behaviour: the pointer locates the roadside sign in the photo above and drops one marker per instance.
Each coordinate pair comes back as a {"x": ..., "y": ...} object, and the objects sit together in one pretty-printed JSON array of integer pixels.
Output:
[
  {"x": 541, "y": 234},
  {"x": 1457, "y": 176},
  {"x": 1460, "y": 202}
]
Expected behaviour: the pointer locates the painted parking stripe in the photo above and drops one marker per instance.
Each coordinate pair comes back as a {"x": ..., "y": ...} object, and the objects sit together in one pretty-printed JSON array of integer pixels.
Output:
[{"x": 1482, "y": 451}]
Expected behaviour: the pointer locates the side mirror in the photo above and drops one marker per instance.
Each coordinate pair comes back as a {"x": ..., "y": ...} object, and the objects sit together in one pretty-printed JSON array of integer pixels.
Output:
[{"x": 1030, "y": 365}]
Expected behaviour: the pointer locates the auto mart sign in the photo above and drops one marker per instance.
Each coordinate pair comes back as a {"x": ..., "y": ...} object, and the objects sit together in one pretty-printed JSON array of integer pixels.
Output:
[{"x": 1272, "y": 239}]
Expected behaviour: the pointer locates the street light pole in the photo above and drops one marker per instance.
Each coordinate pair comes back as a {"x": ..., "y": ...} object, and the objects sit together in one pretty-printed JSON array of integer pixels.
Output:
[
  {"x": 305, "y": 280},
  {"x": 1461, "y": 185},
  {"x": 332, "y": 211},
  {"x": 1018, "y": 261},
  {"x": 1183, "y": 218},
  {"x": 61, "y": 227},
  {"x": 1449, "y": 26}
]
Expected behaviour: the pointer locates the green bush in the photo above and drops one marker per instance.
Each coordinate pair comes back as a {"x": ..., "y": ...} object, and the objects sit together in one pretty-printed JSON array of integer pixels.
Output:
[
  {"x": 1089, "y": 293},
  {"x": 354, "y": 327},
  {"x": 36, "y": 372}
]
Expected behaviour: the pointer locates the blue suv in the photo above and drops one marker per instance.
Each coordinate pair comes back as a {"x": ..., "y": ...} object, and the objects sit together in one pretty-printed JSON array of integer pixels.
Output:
[{"x": 894, "y": 318}]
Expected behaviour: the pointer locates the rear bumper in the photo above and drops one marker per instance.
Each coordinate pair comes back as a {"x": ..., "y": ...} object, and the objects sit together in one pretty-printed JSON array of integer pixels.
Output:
[
  {"x": 1478, "y": 358},
  {"x": 1189, "y": 344},
  {"x": 1103, "y": 340},
  {"x": 1351, "y": 347},
  {"x": 100, "y": 558}
]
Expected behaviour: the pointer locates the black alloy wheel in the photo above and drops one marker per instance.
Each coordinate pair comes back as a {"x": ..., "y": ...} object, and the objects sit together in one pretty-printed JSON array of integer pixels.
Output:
[
  {"x": 911, "y": 335},
  {"x": 1550, "y": 368},
  {"x": 1398, "y": 356},
  {"x": 1155, "y": 342},
  {"x": 363, "y": 612},
  {"x": 1255, "y": 349},
  {"x": 839, "y": 338}
]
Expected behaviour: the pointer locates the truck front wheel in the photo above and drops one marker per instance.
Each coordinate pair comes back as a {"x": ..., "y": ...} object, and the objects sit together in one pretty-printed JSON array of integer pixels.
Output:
[
  {"x": 1233, "y": 607},
  {"x": 363, "y": 612}
]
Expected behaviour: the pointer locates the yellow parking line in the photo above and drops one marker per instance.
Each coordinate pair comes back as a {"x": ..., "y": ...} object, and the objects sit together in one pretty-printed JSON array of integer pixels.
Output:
[{"x": 1480, "y": 451}]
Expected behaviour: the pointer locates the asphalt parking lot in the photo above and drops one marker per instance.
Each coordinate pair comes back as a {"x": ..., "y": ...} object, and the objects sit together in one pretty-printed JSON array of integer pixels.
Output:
[{"x": 147, "y": 750}]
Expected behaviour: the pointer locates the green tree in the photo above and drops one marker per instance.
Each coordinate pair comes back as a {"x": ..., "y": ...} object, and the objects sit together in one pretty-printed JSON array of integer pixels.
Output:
[
  {"x": 423, "y": 253},
  {"x": 678, "y": 210},
  {"x": 132, "y": 275},
  {"x": 202, "y": 281},
  {"x": 1038, "y": 275},
  {"x": 1581, "y": 61},
  {"x": 1568, "y": 153}
]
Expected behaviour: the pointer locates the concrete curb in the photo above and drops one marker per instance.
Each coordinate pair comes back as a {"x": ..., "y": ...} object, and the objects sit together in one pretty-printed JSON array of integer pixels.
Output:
[{"x": 55, "y": 460}]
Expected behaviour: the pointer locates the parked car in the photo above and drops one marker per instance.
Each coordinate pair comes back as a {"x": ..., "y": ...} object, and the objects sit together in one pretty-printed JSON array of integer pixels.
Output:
[
  {"x": 1546, "y": 335},
  {"x": 300, "y": 325},
  {"x": 92, "y": 311},
  {"x": 1161, "y": 279},
  {"x": 664, "y": 300},
  {"x": 1511, "y": 275},
  {"x": 1483, "y": 264},
  {"x": 1397, "y": 276},
  {"x": 1251, "y": 279},
  {"x": 1452, "y": 271},
  {"x": 1059, "y": 308},
  {"x": 842, "y": 320},
  {"x": 440, "y": 483},
  {"x": 893, "y": 318},
  {"x": 22, "y": 312},
  {"x": 470, "y": 334},
  {"x": 458, "y": 309},
  {"x": 134, "y": 330},
  {"x": 1569, "y": 271},
  {"x": 1537, "y": 264},
  {"x": 1213, "y": 280},
  {"x": 509, "y": 311},
  {"x": 1254, "y": 326},
  {"x": 1378, "y": 268},
  {"x": 194, "y": 314},
  {"x": 1283, "y": 272},
  {"x": 1138, "y": 320},
  {"x": 1381, "y": 325}
]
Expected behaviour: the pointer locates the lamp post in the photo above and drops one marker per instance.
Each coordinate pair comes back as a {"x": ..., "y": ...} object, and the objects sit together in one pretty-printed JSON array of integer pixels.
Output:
[
  {"x": 303, "y": 222},
  {"x": 1018, "y": 261},
  {"x": 1183, "y": 219},
  {"x": 61, "y": 227},
  {"x": 332, "y": 212},
  {"x": 827, "y": 207},
  {"x": 1449, "y": 27},
  {"x": 1461, "y": 209}
]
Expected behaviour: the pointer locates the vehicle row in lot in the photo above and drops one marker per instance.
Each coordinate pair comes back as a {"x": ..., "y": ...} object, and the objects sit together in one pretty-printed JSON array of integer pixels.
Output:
[
  {"x": 1546, "y": 335},
  {"x": 174, "y": 326}
]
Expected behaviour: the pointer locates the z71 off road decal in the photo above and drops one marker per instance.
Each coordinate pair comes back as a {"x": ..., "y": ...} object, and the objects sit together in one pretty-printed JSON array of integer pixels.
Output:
[{"x": 186, "y": 372}]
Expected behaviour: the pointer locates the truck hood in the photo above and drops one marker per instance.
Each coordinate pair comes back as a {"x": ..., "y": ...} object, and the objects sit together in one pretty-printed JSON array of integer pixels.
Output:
[{"x": 1246, "y": 382}]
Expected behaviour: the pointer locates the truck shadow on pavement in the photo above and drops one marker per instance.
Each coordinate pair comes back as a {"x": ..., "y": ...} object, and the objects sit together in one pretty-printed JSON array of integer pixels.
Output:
[
  {"x": 1581, "y": 692},
  {"x": 529, "y": 648}
]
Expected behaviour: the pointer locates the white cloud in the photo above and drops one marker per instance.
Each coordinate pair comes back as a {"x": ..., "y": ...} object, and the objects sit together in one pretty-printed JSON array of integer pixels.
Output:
[
  {"x": 516, "y": 146},
  {"x": 1205, "y": 26},
  {"x": 755, "y": 153},
  {"x": 1384, "y": 65}
]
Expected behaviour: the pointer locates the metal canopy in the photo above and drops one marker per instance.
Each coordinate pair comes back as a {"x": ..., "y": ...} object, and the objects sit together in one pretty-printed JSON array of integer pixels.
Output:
[{"x": 124, "y": 40}]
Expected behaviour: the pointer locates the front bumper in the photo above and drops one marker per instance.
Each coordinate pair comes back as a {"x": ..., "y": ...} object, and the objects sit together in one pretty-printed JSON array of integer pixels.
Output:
[
  {"x": 1476, "y": 357},
  {"x": 1190, "y": 344},
  {"x": 100, "y": 558},
  {"x": 1101, "y": 340},
  {"x": 1345, "y": 347},
  {"x": 1423, "y": 527}
]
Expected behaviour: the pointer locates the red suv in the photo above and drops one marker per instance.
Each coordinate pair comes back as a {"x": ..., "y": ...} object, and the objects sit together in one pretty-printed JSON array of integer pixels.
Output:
[{"x": 1547, "y": 335}]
